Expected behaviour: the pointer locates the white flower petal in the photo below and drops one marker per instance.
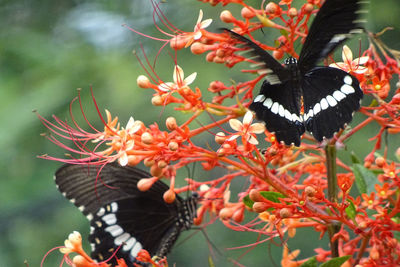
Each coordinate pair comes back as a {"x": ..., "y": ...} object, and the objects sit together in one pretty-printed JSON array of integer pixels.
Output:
[
  {"x": 197, "y": 35},
  {"x": 233, "y": 137},
  {"x": 248, "y": 118},
  {"x": 236, "y": 125},
  {"x": 130, "y": 123},
  {"x": 205, "y": 24},
  {"x": 178, "y": 75},
  {"x": 166, "y": 87},
  {"x": 189, "y": 79},
  {"x": 347, "y": 55},
  {"x": 252, "y": 140},
  {"x": 123, "y": 159},
  {"x": 257, "y": 128},
  {"x": 200, "y": 18},
  {"x": 361, "y": 60}
]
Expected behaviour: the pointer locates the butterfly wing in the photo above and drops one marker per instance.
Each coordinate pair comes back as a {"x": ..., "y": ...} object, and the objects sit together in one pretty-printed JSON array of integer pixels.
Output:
[
  {"x": 276, "y": 73},
  {"x": 331, "y": 96},
  {"x": 333, "y": 24},
  {"x": 118, "y": 212},
  {"x": 278, "y": 106}
]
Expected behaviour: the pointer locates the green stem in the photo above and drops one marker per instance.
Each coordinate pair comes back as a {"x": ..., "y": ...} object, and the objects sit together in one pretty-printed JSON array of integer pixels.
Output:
[{"x": 333, "y": 228}]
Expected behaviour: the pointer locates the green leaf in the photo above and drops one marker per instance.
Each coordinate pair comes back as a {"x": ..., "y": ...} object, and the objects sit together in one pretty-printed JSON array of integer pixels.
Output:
[
  {"x": 272, "y": 196},
  {"x": 365, "y": 179},
  {"x": 351, "y": 210},
  {"x": 312, "y": 262},
  {"x": 248, "y": 202},
  {"x": 336, "y": 262},
  {"x": 284, "y": 32},
  {"x": 354, "y": 158}
]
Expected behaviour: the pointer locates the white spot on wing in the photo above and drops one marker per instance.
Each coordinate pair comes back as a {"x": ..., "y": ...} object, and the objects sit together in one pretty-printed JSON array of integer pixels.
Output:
[
  {"x": 288, "y": 115},
  {"x": 72, "y": 200},
  {"x": 348, "y": 80},
  {"x": 347, "y": 89},
  {"x": 81, "y": 208},
  {"x": 275, "y": 108},
  {"x": 317, "y": 108},
  {"x": 114, "y": 207},
  {"x": 122, "y": 238},
  {"x": 129, "y": 244},
  {"x": 281, "y": 111},
  {"x": 338, "y": 95},
  {"x": 109, "y": 219},
  {"x": 89, "y": 216},
  {"x": 114, "y": 230},
  {"x": 101, "y": 212},
  {"x": 268, "y": 103},
  {"x": 136, "y": 249},
  {"x": 259, "y": 98},
  {"x": 324, "y": 104},
  {"x": 332, "y": 102}
]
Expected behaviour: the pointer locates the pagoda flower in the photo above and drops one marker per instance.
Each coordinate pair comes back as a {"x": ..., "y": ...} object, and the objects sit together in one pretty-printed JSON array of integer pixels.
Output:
[
  {"x": 349, "y": 64},
  {"x": 246, "y": 129},
  {"x": 179, "y": 80}
]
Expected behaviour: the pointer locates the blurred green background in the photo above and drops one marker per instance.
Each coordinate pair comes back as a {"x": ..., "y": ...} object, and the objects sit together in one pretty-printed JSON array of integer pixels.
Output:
[{"x": 50, "y": 48}]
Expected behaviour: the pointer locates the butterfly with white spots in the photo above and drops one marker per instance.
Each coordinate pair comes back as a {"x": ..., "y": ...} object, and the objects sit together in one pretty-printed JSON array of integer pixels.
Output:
[
  {"x": 120, "y": 215},
  {"x": 300, "y": 96}
]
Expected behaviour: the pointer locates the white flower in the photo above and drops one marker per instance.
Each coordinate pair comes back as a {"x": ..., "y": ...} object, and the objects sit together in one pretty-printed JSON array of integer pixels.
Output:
[
  {"x": 349, "y": 64},
  {"x": 179, "y": 80},
  {"x": 246, "y": 129},
  {"x": 200, "y": 25}
]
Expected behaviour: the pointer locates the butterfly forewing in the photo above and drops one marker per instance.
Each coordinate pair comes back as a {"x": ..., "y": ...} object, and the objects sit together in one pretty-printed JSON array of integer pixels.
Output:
[
  {"x": 333, "y": 24},
  {"x": 331, "y": 97},
  {"x": 120, "y": 215}
]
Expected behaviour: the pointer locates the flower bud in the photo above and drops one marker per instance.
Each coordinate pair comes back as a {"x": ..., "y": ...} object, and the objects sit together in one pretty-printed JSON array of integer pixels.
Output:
[
  {"x": 260, "y": 207},
  {"x": 169, "y": 196},
  {"x": 147, "y": 138},
  {"x": 255, "y": 195},
  {"x": 144, "y": 184},
  {"x": 171, "y": 123},
  {"x": 162, "y": 164},
  {"x": 277, "y": 54},
  {"x": 226, "y": 213},
  {"x": 292, "y": 12},
  {"x": 310, "y": 191},
  {"x": 247, "y": 13},
  {"x": 308, "y": 8},
  {"x": 148, "y": 162},
  {"x": 198, "y": 48},
  {"x": 157, "y": 100},
  {"x": 173, "y": 146},
  {"x": 380, "y": 162},
  {"x": 133, "y": 160},
  {"x": 272, "y": 8},
  {"x": 156, "y": 171},
  {"x": 220, "y": 138},
  {"x": 285, "y": 213},
  {"x": 226, "y": 16},
  {"x": 143, "y": 82},
  {"x": 238, "y": 215}
]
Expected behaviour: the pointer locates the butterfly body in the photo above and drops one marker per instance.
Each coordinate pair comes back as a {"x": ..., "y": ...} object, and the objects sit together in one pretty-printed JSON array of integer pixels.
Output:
[
  {"x": 300, "y": 96},
  {"x": 120, "y": 215}
]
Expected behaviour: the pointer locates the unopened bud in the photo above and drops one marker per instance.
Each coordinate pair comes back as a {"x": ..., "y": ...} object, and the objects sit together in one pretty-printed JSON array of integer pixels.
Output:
[
  {"x": 145, "y": 183},
  {"x": 226, "y": 213},
  {"x": 292, "y": 12},
  {"x": 171, "y": 123},
  {"x": 169, "y": 196},
  {"x": 173, "y": 146},
  {"x": 220, "y": 138},
  {"x": 247, "y": 13},
  {"x": 226, "y": 16},
  {"x": 143, "y": 82},
  {"x": 147, "y": 138},
  {"x": 157, "y": 100}
]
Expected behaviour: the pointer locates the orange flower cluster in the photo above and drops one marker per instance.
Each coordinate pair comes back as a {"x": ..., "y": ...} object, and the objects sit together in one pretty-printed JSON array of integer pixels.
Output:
[{"x": 286, "y": 186}]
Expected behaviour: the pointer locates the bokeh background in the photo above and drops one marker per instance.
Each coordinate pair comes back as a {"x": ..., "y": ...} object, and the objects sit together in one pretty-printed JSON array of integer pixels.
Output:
[{"x": 50, "y": 48}]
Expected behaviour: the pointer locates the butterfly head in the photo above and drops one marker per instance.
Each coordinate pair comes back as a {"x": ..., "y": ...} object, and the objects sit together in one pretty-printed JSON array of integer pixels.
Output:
[{"x": 290, "y": 61}]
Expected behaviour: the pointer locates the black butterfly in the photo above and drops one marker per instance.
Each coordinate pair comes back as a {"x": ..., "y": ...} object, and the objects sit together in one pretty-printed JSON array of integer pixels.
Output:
[
  {"x": 122, "y": 216},
  {"x": 329, "y": 95}
]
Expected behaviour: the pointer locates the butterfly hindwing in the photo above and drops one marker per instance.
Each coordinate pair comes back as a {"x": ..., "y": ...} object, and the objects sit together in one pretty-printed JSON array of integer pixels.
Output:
[
  {"x": 278, "y": 106},
  {"x": 122, "y": 216},
  {"x": 330, "y": 98},
  {"x": 334, "y": 23}
]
